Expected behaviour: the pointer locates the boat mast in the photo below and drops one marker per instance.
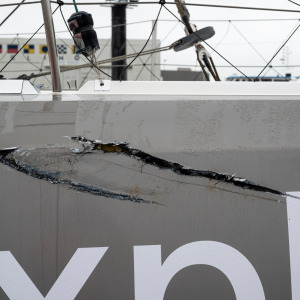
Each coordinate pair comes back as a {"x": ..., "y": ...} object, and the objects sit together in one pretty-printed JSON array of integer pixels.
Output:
[{"x": 51, "y": 43}]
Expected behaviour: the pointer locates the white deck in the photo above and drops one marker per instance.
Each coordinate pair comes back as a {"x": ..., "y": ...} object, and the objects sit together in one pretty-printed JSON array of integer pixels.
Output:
[{"x": 19, "y": 90}]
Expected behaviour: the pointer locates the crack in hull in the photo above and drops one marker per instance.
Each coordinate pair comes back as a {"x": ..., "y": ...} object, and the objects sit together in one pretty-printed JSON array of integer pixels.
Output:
[
  {"x": 8, "y": 158},
  {"x": 53, "y": 178},
  {"x": 175, "y": 167}
]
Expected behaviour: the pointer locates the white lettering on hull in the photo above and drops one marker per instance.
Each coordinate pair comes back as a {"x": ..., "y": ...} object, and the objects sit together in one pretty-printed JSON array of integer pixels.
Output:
[
  {"x": 18, "y": 286},
  {"x": 152, "y": 277}
]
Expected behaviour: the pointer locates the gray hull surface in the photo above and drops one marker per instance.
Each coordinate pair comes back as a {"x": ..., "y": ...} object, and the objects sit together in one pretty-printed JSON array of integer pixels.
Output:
[{"x": 203, "y": 172}]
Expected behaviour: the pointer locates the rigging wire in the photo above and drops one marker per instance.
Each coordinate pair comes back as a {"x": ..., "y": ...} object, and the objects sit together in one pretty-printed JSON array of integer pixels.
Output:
[
  {"x": 278, "y": 51},
  {"x": 24, "y": 44},
  {"x": 68, "y": 46},
  {"x": 32, "y": 2},
  {"x": 98, "y": 27},
  {"x": 238, "y": 20},
  {"x": 257, "y": 52},
  {"x": 112, "y": 26},
  {"x": 27, "y": 60},
  {"x": 221, "y": 40},
  {"x": 152, "y": 2},
  {"x": 11, "y": 13},
  {"x": 13, "y": 71},
  {"x": 144, "y": 45},
  {"x": 71, "y": 68},
  {"x": 143, "y": 63},
  {"x": 218, "y": 66},
  {"x": 239, "y": 7},
  {"x": 264, "y": 75},
  {"x": 41, "y": 68},
  {"x": 65, "y": 69},
  {"x": 161, "y": 20},
  {"x": 222, "y": 66},
  {"x": 163, "y": 39},
  {"x": 248, "y": 42},
  {"x": 23, "y": 3},
  {"x": 209, "y": 45},
  {"x": 26, "y": 57},
  {"x": 294, "y": 2},
  {"x": 189, "y": 4},
  {"x": 167, "y": 35}
]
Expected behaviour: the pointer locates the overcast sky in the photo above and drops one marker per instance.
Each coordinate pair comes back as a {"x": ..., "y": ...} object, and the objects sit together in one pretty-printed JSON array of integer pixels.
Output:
[{"x": 231, "y": 39}]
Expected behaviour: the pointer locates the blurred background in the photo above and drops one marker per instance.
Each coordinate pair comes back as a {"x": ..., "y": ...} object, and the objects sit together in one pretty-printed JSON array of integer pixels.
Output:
[{"x": 247, "y": 38}]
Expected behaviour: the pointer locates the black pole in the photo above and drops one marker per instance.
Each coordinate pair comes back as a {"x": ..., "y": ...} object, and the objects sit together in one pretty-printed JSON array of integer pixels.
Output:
[{"x": 118, "y": 41}]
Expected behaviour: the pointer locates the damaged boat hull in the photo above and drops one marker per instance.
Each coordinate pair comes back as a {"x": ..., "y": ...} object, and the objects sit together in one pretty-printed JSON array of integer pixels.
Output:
[{"x": 185, "y": 177}]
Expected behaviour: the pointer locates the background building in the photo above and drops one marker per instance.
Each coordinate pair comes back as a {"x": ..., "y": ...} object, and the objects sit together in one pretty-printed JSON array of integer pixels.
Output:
[{"x": 34, "y": 59}]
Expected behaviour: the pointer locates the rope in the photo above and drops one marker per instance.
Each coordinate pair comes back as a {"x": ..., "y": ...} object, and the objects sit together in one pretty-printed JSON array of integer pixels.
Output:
[
  {"x": 202, "y": 67},
  {"x": 94, "y": 60},
  {"x": 87, "y": 74}
]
